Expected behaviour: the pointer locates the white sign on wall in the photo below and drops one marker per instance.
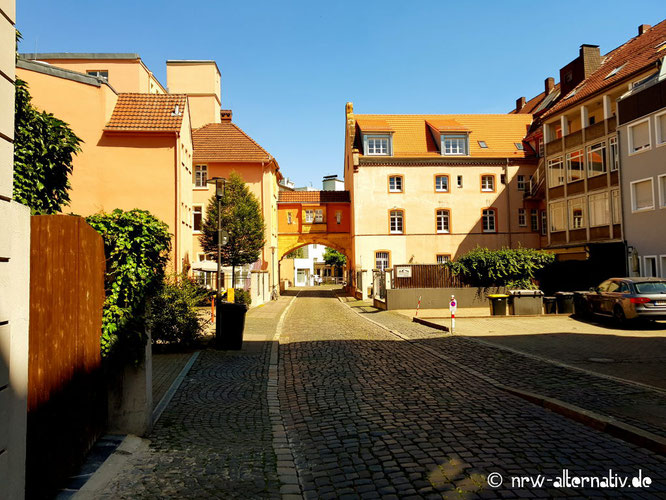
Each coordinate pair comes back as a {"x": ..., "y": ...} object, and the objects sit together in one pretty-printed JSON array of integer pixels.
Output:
[{"x": 403, "y": 272}]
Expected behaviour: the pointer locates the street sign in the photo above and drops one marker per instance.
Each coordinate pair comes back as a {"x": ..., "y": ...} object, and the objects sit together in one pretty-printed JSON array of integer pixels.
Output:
[
  {"x": 403, "y": 272},
  {"x": 453, "y": 305}
]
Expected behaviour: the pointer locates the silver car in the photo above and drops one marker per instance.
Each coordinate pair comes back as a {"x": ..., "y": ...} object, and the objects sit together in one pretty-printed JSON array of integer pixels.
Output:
[{"x": 629, "y": 298}]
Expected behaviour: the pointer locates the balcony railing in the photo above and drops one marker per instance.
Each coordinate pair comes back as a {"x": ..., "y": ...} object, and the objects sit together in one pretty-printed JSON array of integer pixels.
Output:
[{"x": 537, "y": 179}]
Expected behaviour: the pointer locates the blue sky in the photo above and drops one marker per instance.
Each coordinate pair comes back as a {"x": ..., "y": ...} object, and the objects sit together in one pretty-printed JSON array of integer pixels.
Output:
[{"x": 288, "y": 68}]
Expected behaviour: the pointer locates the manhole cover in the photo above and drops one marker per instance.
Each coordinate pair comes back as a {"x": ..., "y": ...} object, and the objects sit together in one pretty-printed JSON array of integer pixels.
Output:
[{"x": 601, "y": 360}]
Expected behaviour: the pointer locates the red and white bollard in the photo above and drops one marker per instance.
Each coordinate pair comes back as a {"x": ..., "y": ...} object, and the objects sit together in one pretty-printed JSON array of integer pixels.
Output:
[
  {"x": 417, "y": 307},
  {"x": 453, "y": 305}
]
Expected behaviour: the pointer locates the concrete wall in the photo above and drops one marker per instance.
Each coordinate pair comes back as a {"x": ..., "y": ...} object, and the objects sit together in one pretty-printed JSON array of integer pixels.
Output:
[
  {"x": 438, "y": 298},
  {"x": 14, "y": 282}
]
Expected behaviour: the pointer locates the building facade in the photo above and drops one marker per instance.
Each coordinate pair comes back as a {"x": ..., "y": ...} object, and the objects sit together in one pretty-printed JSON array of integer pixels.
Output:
[
  {"x": 427, "y": 188},
  {"x": 642, "y": 137}
]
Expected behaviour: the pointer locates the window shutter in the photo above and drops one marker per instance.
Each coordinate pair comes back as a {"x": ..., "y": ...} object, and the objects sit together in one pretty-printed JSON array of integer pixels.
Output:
[{"x": 640, "y": 136}]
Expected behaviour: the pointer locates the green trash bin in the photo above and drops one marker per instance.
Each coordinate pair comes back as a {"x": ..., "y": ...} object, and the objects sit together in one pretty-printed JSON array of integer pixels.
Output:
[
  {"x": 565, "y": 302},
  {"x": 229, "y": 325},
  {"x": 549, "y": 305},
  {"x": 498, "y": 304}
]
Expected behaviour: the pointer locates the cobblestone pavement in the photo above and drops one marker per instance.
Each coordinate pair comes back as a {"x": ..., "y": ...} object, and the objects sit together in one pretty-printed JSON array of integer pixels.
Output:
[
  {"x": 166, "y": 368},
  {"x": 630, "y": 403},
  {"x": 372, "y": 416},
  {"x": 214, "y": 440}
]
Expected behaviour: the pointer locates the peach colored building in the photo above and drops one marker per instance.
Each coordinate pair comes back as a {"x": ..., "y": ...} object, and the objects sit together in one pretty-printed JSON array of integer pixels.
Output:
[{"x": 428, "y": 188}]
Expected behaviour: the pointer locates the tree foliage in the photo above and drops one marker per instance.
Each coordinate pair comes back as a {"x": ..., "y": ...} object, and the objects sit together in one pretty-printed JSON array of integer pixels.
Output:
[
  {"x": 241, "y": 217},
  {"x": 44, "y": 148},
  {"x": 334, "y": 258},
  {"x": 137, "y": 247},
  {"x": 512, "y": 268},
  {"x": 299, "y": 253}
]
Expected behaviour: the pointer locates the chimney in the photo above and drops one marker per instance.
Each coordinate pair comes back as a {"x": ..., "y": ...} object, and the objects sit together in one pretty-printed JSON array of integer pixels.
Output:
[
  {"x": 549, "y": 84},
  {"x": 591, "y": 58},
  {"x": 225, "y": 115},
  {"x": 643, "y": 28},
  {"x": 520, "y": 104}
]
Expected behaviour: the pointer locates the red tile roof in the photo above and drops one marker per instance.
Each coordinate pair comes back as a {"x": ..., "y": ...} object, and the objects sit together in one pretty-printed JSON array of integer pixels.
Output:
[
  {"x": 148, "y": 112},
  {"x": 446, "y": 125},
  {"x": 226, "y": 142},
  {"x": 632, "y": 57},
  {"x": 532, "y": 105},
  {"x": 313, "y": 197}
]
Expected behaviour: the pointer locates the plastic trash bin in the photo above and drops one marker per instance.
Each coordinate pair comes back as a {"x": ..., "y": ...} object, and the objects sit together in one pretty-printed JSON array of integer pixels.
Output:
[
  {"x": 565, "y": 302},
  {"x": 525, "y": 302},
  {"x": 229, "y": 325},
  {"x": 549, "y": 305},
  {"x": 580, "y": 303},
  {"x": 498, "y": 304}
]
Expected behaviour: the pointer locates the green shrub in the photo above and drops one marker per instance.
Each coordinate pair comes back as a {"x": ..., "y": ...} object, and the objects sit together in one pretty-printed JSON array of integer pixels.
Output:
[
  {"x": 137, "y": 247},
  {"x": 242, "y": 297},
  {"x": 172, "y": 315},
  {"x": 508, "y": 267}
]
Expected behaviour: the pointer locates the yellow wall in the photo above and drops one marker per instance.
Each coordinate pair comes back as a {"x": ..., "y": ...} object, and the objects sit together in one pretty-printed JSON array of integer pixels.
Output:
[{"x": 200, "y": 80}]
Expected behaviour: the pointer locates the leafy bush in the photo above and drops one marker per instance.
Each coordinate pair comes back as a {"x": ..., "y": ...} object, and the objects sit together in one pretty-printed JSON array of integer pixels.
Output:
[
  {"x": 242, "y": 297},
  {"x": 512, "y": 268},
  {"x": 172, "y": 315},
  {"x": 137, "y": 247}
]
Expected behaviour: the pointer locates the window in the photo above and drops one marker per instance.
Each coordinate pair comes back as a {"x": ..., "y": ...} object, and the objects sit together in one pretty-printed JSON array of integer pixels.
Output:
[
  {"x": 540, "y": 147},
  {"x": 197, "y": 215},
  {"x": 443, "y": 258},
  {"x": 459, "y": 181},
  {"x": 519, "y": 146},
  {"x": 596, "y": 159},
  {"x": 381, "y": 260},
  {"x": 660, "y": 120},
  {"x": 616, "y": 206},
  {"x": 488, "y": 183},
  {"x": 442, "y": 183},
  {"x": 599, "y": 210},
  {"x": 522, "y": 185},
  {"x": 482, "y": 144},
  {"x": 575, "y": 165},
  {"x": 289, "y": 219},
  {"x": 544, "y": 223},
  {"x": 522, "y": 218},
  {"x": 454, "y": 144},
  {"x": 557, "y": 218},
  {"x": 614, "y": 155},
  {"x": 555, "y": 172},
  {"x": 614, "y": 72},
  {"x": 661, "y": 186},
  {"x": 576, "y": 213},
  {"x": 99, "y": 73},
  {"x": 377, "y": 145},
  {"x": 338, "y": 216},
  {"x": 200, "y": 176},
  {"x": 650, "y": 266},
  {"x": 662, "y": 263},
  {"x": 395, "y": 184},
  {"x": 396, "y": 222},
  {"x": 309, "y": 216},
  {"x": 319, "y": 216},
  {"x": 489, "y": 220},
  {"x": 443, "y": 220},
  {"x": 642, "y": 195},
  {"x": 534, "y": 219},
  {"x": 638, "y": 136}
]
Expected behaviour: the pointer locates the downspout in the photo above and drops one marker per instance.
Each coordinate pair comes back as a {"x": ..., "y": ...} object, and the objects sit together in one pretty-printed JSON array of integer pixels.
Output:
[
  {"x": 177, "y": 222},
  {"x": 508, "y": 201}
]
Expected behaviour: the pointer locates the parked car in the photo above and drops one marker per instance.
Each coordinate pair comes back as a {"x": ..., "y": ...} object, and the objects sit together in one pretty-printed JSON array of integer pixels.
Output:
[{"x": 629, "y": 298}]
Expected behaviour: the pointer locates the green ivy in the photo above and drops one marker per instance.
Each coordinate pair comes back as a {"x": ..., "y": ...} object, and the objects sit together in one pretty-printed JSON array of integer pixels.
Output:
[
  {"x": 509, "y": 267},
  {"x": 137, "y": 248}
]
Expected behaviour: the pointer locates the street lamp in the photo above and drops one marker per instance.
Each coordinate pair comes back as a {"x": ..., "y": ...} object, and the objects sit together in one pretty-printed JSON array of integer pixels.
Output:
[{"x": 222, "y": 236}]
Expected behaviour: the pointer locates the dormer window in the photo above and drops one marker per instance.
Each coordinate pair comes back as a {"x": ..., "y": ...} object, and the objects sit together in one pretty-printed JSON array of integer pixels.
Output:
[
  {"x": 377, "y": 145},
  {"x": 454, "y": 145}
]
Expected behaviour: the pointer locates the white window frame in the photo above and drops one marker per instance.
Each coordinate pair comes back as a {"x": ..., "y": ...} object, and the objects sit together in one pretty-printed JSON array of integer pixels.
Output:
[
  {"x": 633, "y": 198},
  {"x": 457, "y": 140},
  {"x": 439, "y": 189},
  {"x": 658, "y": 131},
  {"x": 381, "y": 257},
  {"x": 487, "y": 189},
  {"x": 615, "y": 203},
  {"x": 399, "y": 221},
  {"x": 656, "y": 265},
  {"x": 485, "y": 217},
  {"x": 590, "y": 211},
  {"x": 569, "y": 156},
  {"x": 309, "y": 215},
  {"x": 522, "y": 183},
  {"x": 522, "y": 217},
  {"x": 571, "y": 218},
  {"x": 194, "y": 209},
  {"x": 630, "y": 141},
  {"x": 338, "y": 216},
  {"x": 661, "y": 187},
  {"x": 561, "y": 178},
  {"x": 613, "y": 154},
  {"x": 319, "y": 216},
  {"x": 561, "y": 206},
  {"x": 199, "y": 172},
  {"x": 588, "y": 151},
  {"x": 662, "y": 266},
  {"x": 370, "y": 140},
  {"x": 544, "y": 223},
  {"x": 445, "y": 258},
  {"x": 394, "y": 189},
  {"x": 534, "y": 220},
  {"x": 446, "y": 220}
]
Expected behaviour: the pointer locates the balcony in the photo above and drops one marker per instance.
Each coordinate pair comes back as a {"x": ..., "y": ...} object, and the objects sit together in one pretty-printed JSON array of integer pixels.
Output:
[{"x": 537, "y": 181}]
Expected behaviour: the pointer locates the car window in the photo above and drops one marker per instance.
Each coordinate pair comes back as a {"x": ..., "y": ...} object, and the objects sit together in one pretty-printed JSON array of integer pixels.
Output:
[
  {"x": 613, "y": 286},
  {"x": 651, "y": 287},
  {"x": 604, "y": 286},
  {"x": 624, "y": 288}
]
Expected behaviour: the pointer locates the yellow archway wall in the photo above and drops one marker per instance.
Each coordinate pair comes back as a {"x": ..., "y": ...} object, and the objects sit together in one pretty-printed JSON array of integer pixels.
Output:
[{"x": 338, "y": 241}]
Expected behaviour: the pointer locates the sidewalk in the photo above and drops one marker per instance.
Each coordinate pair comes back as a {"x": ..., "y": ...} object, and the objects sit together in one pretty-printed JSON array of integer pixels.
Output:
[{"x": 633, "y": 404}]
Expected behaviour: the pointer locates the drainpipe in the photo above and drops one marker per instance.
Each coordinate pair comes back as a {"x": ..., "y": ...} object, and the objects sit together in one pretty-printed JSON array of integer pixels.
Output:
[{"x": 508, "y": 200}]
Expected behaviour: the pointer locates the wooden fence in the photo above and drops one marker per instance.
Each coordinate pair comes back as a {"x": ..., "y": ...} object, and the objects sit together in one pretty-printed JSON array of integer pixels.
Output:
[
  {"x": 66, "y": 390},
  {"x": 424, "y": 276}
]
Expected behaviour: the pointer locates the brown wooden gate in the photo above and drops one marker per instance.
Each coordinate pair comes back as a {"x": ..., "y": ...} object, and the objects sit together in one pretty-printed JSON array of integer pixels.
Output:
[
  {"x": 66, "y": 392},
  {"x": 425, "y": 276}
]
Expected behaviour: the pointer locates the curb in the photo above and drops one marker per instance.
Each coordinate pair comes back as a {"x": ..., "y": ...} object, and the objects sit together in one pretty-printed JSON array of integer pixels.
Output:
[
  {"x": 425, "y": 322},
  {"x": 168, "y": 395},
  {"x": 603, "y": 423}
]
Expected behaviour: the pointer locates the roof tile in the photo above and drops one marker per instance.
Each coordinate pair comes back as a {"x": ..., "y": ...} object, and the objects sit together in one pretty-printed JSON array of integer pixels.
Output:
[
  {"x": 226, "y": 142},
  {"x": 148, "y": 112},
  {"x": 313, "y": 197}
]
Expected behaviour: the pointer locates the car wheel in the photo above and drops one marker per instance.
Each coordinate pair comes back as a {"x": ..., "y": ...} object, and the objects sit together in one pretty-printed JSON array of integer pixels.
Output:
[{"x": 618, "y": 314}]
